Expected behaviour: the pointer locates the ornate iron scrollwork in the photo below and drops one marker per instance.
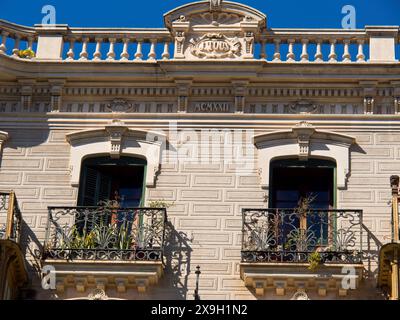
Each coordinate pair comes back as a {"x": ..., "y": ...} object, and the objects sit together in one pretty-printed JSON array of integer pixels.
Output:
[
  {"x": 105, "y": 233},
  {"x": 276, "y": 235}
]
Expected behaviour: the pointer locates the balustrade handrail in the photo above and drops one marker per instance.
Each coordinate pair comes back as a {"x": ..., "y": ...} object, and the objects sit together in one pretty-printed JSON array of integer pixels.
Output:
[
  {"x": 10, "y": 217},
  {"x": 105, "y": 233},
  {"x": 17, "y": 29},
  {"x": 80, "y": 43},
  {"x": 293, "y": 235}
]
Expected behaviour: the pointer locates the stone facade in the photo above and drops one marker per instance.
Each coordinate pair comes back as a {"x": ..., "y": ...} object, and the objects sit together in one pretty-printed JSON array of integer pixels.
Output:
[{"x": 212, "y": 86}]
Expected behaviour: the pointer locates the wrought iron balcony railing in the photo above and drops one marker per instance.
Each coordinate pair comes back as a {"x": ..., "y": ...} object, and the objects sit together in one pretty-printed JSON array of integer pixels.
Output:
[
  {"x": 105, "y": 233},
  {"x": 10, "y": 217},
  {"x": 288, "y": 235}
]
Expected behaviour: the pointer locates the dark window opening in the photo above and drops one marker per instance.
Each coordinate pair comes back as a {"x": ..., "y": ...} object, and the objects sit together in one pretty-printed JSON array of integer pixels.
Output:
[
  {"x": 306, "y": 189},
  {"x": 105, "y": 179}
]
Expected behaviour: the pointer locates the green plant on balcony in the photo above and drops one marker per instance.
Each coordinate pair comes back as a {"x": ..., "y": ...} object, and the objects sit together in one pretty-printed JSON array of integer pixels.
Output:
[
  {"x": 81, "y": 241},
  {"x": 26, "y": 54},
  {"x": 160, "y": 204},
  {"x": 314, "y": 260}
]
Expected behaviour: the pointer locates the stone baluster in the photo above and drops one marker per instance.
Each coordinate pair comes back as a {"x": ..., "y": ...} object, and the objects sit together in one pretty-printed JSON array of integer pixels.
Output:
[
  {"x": 97, "y": 53},
  {"x": 139, "y": 54},
  {"x": 30, "y": 43},
  {"x": 318, "y": 54},
  {"x": 84, "y": 54},
  {"x": 70, "y": 53},
  {"x": 290, "y": 56},
  {"x": 346, "y": 54},
  {"x": 16, "y": 46},
  {"x": 166, "y": 54},
  {"x": 360, "y": 55},
  {"x": 3, "y": 47},
  {"x": 332, "y": 54},
  {"x": 304, "y": 55},
  {"x": 111, "y": 53},
  {"x": 263, "y": 53},
  {"x": 125, "y": 53},
  {"x": 277, "y": 53},
  {"x": 152, "y": 54}
]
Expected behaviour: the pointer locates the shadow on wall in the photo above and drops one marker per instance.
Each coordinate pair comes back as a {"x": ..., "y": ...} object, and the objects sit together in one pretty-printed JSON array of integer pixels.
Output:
[
  {"x": 177, "y": 256},
  {"x": 371, "y": 254},
  {"x": 31, "y": 249}
]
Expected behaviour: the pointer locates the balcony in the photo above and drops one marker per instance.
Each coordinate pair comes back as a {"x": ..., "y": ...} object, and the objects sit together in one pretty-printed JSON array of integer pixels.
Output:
[
  {"x": 286, "y": 249},
  {"x": 10, "y": 217},
  {"x": 13, "y": 274},
  {"x": 105, "y": 247}
]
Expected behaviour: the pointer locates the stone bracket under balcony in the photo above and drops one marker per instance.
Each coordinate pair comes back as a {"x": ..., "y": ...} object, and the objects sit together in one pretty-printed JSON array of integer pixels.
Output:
[
  {"x": 283, "y": 278},
  {"x": 112, "y": 277}
]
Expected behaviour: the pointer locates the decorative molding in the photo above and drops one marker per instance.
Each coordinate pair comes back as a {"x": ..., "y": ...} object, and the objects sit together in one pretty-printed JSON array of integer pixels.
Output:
[
  {"x": 369, "y": 103},
  {"x": 26, "y": 90},
  {"x": 119, "y": 105},
  {"x": 303, "y": 107},
  {"x": 215, "y": 5},
  {"x": 3, "y": 138},
  {"x": 279, "y": 277},
  {"x": 300, "y": 295},
  {"x": 98, "y": 294},
  {"x": 116, "y": 140},
  {"x": 397, "y": 105},
  {"x": 183, "y": 88},
  {"x": 56, "y": 91},
  {"x": 215, "y": 46},
  {"x": 304, "y": 141},
  {"x": 240, "y": 94}
]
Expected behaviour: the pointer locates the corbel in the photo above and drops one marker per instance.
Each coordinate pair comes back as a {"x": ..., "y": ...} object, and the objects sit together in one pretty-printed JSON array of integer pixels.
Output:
[
  {"x": 116, "y": 131},
  {"x": 56, "y": 90},
  {"x": 303, "y": 132},
  {"x": 183, "y": 89},
  {"x": 369, "y": 94},
  {"x": 396, "y": 96},
  {"x": 240, "y": 87},
  {"x": 26, "y": 90}
]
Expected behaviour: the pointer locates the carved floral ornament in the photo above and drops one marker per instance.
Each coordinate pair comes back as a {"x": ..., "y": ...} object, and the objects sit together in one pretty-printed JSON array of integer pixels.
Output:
[
  {"x": 304, "y": 141},
  {"x": 116, "y": 140},
  {"x": 215, "y": 46},
  {"x": 119, "y": 105}
]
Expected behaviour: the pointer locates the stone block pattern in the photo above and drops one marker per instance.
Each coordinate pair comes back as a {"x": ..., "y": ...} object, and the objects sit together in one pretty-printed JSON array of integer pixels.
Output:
[{"x": 205, "y": 221}]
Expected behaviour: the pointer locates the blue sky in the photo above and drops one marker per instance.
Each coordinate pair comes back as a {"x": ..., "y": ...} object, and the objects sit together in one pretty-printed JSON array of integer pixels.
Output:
[{"x": 136, "y": 13}]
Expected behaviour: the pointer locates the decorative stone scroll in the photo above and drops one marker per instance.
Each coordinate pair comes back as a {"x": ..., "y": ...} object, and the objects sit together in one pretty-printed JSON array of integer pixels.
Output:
[
  {"x": 119, "y": 105},
  {"x": 304, "y": 141},
  {"x": 215, "y": 46}
]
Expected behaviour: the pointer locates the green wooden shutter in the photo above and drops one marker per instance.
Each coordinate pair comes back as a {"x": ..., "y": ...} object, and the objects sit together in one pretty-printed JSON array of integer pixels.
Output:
[
  {"x": 90, "y": 187},
  {"x": 97, "y": 187}
]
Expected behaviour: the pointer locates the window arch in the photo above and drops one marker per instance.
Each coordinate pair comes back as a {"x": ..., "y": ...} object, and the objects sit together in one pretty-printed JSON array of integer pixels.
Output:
[
  {"x": 304, "y": 142},
  {"x": 115, "y": 141}
]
